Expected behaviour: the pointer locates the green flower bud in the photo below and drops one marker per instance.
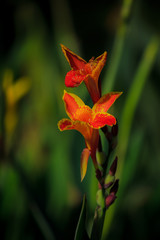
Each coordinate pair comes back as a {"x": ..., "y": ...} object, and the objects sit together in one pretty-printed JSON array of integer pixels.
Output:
[
  {"x": 109, "y": 180},
  {"x": 101, "y": 158},
  {"x": 100, "y": 199}
]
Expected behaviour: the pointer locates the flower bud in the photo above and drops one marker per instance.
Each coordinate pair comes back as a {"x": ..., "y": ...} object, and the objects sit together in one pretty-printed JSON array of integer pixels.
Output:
[
  {"x": 107, "y": 133},
  {"x": 110, "y": 199},
  {"x": 99, "y": 185},
  {"x": 113, "y": 167},
  {"x": 114, "y": 143},
  {"x": 109, "y": 136},
  {"x": 115, "y": 187},
  {"x": 100, "y": 198},
  {"x": 98, "y": 174},
  {"x": 114, "y": 130},
  {"x": 104, "y": 129},
  {"x": 101, "y": 158},
  {"x": 109, "y": 180}
]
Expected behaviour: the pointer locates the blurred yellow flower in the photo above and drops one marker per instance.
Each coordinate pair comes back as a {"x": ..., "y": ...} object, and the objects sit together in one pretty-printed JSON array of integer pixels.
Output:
[{"x": 14, "y": 91}]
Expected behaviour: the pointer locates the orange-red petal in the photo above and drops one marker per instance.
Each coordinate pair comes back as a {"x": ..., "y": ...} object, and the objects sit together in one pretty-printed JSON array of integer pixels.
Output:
[
  {"x": 83, "y": 128},
  {"x": 83, "y": 113},
  {"x": 74, "y": 78},
  {"x": 105, "y": 102},
  {"x": 65, "y": 124},
  {"x": 99, "y": 63},
  {"x": 94, "y": 68},
  {"x": 84, "y": 161},
  {"x": 102, "y": 119},
  {"x": 74, "y": 60},
  {"x": 72, "y": 103}
]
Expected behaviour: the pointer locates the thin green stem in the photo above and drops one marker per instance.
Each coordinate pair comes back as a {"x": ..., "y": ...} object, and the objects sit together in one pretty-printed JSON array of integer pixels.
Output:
[
  {"x": 98, "y": 223},
  {"x": 101, "y": 198}
]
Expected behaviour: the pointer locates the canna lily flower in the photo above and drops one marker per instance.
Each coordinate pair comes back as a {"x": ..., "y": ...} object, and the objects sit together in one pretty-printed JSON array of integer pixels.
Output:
[
  {"x": 87, "y": 121},
  {"x": 83, "y": 71}
]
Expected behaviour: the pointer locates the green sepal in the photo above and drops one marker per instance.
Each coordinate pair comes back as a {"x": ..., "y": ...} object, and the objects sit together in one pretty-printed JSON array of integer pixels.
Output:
[
  {"x": 101, "y": 158},
  {"x": 100, "y": 198},
  {"x": 81, "y": 233},
  {"x": 109, "y": 179}
]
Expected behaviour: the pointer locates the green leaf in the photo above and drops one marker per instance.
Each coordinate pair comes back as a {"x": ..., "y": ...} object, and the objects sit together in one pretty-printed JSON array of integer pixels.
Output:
[
  {"x": 81, "y": 233},
  {"x": 128, "y": 114}
]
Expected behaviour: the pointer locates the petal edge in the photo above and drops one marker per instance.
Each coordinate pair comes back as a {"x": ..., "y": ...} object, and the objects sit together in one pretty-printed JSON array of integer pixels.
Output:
[
  {"x": 72, "y": 103},
  {"x": 105, "y": 102},
  {"x": 102, "y": 119},
  {"x": 74, "y": 60},
  {"x": 65, "y": 124}
]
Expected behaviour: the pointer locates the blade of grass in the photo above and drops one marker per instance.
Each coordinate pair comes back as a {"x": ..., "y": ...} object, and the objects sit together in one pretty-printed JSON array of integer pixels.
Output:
[
  {"x": 132, "y": 100},
  {"x": 131, "y": 165},
  {"x": 42, "y": 223},
  {"x": 80, "y": 230},
  {"x": 35, "y": 208},
  {"x": 118, "y": 46},
  {"x": 134, "y": 95},
  {"x": 63, "y": 24},
  {"x": 59, "y": 177}
]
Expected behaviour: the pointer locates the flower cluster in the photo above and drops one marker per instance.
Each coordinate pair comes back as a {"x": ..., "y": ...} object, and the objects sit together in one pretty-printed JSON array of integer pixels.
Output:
[{"x": 82, "y": 118}]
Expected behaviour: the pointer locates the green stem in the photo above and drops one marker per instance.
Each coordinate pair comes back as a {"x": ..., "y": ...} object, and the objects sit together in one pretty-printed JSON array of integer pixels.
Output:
[
  {"x": 98, "y": 223},
  {"x": 100, "y": 210}
]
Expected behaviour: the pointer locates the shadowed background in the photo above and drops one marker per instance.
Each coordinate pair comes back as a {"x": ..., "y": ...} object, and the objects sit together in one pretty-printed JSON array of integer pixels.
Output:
[{"x": 40, "y": 188}]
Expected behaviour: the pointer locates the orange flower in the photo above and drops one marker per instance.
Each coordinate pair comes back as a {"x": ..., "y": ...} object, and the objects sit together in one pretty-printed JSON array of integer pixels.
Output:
[
  {"x": 83, "y": 71},
  {"x": 87, "y": 121}
]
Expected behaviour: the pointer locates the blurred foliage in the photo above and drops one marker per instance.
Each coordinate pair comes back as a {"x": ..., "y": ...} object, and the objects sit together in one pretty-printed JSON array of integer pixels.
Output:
[{"x": 40, "y": 189}]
